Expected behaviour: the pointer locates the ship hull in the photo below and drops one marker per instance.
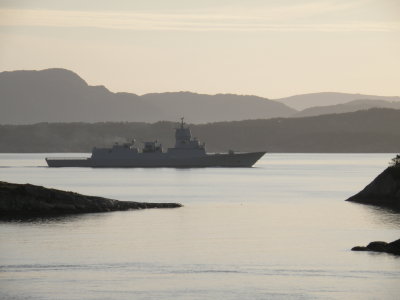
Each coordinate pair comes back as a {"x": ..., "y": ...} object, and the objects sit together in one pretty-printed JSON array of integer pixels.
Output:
[{"x": 235, "y": 160}]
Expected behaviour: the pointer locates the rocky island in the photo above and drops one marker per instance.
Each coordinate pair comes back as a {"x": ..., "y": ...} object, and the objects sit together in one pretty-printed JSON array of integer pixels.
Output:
[
  {"x": 26, "y": 200},
  {"x": 384, "y": 190},
  {"x": 393, "y": 247}
]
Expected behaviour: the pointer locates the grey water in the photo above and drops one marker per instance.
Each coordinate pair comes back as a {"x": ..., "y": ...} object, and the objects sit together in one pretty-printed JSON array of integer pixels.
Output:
[{"x": 279, "y": 230}]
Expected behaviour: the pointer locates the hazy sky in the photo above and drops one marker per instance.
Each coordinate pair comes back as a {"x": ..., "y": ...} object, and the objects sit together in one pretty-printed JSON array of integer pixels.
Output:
[{"x": 268, "y": 48}]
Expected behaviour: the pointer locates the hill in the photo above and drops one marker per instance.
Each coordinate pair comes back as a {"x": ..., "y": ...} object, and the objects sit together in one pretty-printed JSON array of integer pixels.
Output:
[
  {"x": 374, "y": 130},
  {"x": 59, "y": 95},
  {"x": 301, "y": 102},
  {"x": 351, "y": 106}
]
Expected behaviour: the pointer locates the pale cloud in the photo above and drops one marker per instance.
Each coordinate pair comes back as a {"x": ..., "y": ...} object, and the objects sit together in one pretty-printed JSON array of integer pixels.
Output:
[
  {"x": 301, "y": 10},
  {"x": 281, "y": 18}
]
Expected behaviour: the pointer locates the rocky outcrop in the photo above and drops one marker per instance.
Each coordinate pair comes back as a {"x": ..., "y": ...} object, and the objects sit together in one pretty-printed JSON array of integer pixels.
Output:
[
  {"x": 384, "y": 190},
  {"x": 393, "y": 247},
  {"x": 32, "y": 200}
]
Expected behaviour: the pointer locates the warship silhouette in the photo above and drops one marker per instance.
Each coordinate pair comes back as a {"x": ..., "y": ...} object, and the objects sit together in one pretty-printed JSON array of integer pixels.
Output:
[{"x": 187, "y": 153}]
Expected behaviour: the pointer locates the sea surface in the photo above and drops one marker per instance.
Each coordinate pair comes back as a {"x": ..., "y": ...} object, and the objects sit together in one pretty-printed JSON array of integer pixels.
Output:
[{"x": 279, "y": 230}]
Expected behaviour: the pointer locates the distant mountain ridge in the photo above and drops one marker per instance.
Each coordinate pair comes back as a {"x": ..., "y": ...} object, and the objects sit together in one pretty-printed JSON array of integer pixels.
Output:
[
  {"x": 59, "y": 95},
  {"x": 301, "y": 102},
  {"x": 355, "y": 105}
]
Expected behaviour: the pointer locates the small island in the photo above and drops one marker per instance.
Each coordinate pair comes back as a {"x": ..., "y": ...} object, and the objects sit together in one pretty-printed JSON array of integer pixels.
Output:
[
  {"x": 27, "y": 200},
  {"x": 392, "y": 248},
  {"x": 384, "y": 190}
]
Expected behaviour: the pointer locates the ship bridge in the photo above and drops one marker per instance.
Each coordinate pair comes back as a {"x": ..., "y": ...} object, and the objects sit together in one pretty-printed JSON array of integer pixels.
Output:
[{"x": 184, "y": 140}]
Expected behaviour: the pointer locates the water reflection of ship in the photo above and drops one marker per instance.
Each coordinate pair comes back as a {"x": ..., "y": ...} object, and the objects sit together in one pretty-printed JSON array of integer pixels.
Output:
[{"x": 188, "y": 152}]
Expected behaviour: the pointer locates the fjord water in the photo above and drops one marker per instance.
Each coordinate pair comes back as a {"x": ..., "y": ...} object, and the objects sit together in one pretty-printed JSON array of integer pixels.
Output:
[{"x": 279, "y": 230}]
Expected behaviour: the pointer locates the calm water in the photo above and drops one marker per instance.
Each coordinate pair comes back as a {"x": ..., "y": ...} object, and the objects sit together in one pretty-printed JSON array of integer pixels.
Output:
[{"x": 280, "y": 230}]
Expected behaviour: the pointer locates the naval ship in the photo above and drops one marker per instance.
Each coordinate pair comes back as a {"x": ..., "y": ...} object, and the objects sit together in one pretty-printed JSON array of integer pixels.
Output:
[{"x": 187, "y": 153}]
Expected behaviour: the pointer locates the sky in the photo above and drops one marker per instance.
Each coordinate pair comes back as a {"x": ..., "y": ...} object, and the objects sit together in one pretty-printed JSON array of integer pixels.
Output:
[{"x": 268, "y": 48}]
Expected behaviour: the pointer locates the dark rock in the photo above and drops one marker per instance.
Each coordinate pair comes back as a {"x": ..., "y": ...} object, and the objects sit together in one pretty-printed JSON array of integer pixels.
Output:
[
  {"x": 32, "y": 200},
  {"x": 377, "y": 246},
  {"x": 359, "y": 248},
  {"x": 383, "y": 191},
  {"x": 393, "y": 247}
]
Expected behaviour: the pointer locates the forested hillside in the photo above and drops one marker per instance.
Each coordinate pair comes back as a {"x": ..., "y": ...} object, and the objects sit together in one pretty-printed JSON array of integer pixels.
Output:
[{"x": 375, "y": 130}]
